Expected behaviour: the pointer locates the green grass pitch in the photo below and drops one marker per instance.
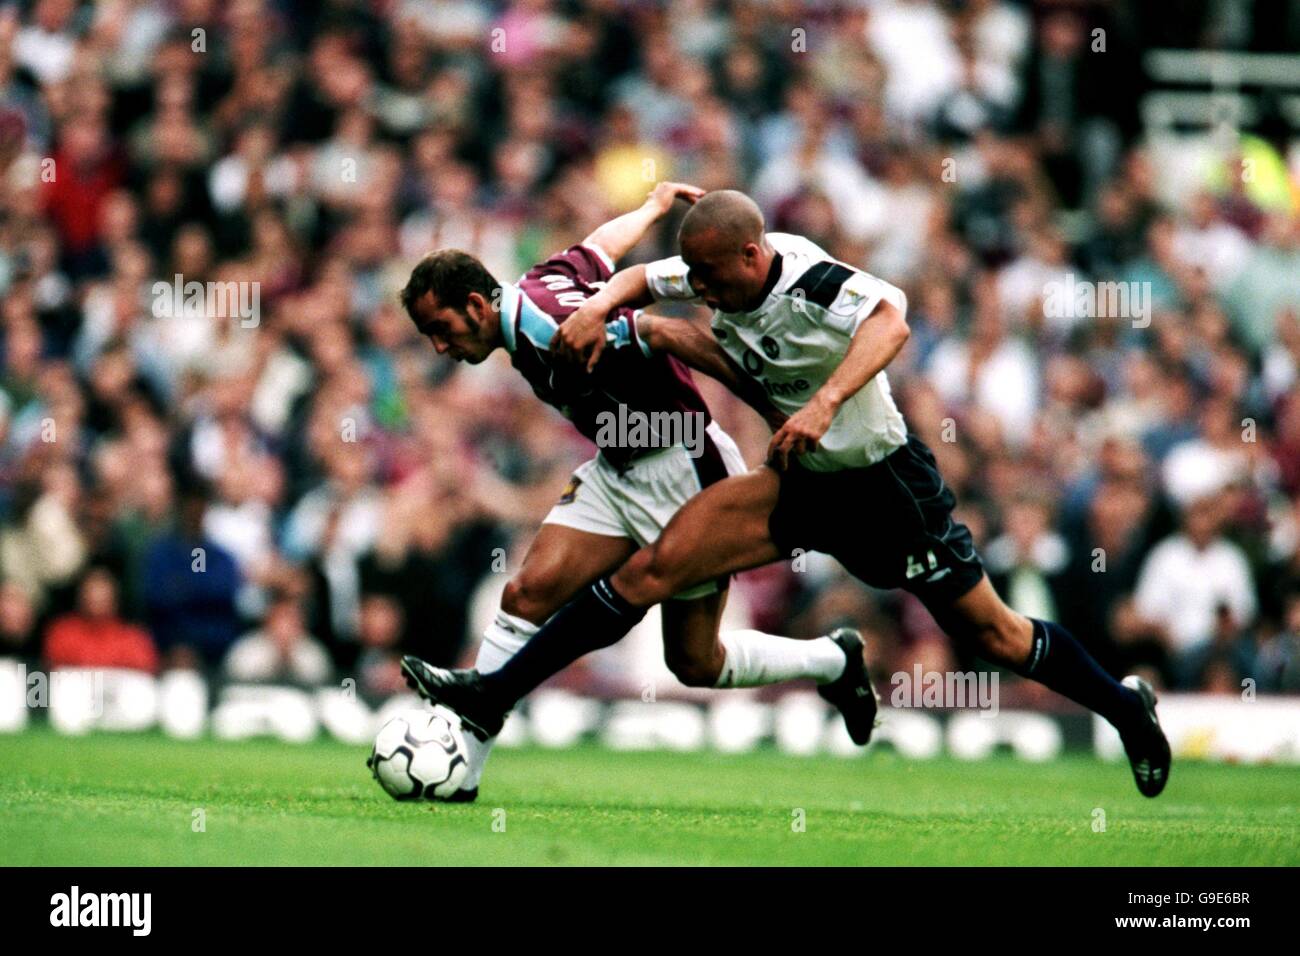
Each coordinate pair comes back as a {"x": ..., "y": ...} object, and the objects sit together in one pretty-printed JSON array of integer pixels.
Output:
[{"x": 132, "y": 800}]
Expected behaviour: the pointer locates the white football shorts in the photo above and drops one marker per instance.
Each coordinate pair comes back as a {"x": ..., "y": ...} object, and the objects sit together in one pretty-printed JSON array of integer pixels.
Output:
[{"x": 640, "y": 502}]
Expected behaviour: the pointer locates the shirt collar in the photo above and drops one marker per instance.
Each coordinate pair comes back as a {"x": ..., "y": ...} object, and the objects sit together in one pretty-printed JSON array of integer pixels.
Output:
[
  {"x": 511, "y": 300},
  {"x": 520, "y": 315},
  {"x": 773, "y": 274}
]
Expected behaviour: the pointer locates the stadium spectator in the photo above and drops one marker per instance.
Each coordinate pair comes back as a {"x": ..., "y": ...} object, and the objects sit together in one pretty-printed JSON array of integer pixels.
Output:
[
  {"x": 378, "y": 665},
  {"x": 1195, "y": 587},
  {"x": 1278, "y": 661},
  {"x": 95, "y": 635},
  {"x": 1028, "y": 561},
  {"x": 18, "y": 634},
  {"x": 44, "y": 549},
  {"x": 281, "y": 651},
  {"x": 189, "y": 586}
]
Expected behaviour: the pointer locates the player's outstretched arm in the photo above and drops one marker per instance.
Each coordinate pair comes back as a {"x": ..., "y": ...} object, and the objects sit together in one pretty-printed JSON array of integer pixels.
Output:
[
  {"x": 695, "y": 345},
  {"x": 581, "y": 337},
  {"x": 878, "y": 339}
]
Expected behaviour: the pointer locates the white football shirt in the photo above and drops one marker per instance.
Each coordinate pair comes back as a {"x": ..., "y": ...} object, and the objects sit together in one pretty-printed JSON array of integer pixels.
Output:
[{"x": 795, "y": 340}]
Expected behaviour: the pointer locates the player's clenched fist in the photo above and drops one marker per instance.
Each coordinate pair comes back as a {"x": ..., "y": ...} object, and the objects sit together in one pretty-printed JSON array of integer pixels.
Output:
[
  {"x": 581, "y": 337},
  {"x": 664, "y": 194}
]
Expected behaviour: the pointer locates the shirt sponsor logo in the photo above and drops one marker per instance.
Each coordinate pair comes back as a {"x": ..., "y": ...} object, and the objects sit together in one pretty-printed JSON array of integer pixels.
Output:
[{"x": 787, "y": 388}]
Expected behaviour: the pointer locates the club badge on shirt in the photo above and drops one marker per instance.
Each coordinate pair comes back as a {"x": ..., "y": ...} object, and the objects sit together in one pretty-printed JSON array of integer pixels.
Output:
[
  {"x": 570, "y": 491},
  {"x": 855, "y": 291}
]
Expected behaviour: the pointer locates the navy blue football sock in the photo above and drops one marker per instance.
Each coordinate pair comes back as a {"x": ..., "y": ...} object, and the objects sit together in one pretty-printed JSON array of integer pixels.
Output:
[
  {"x": 1057, "y": 660},
  {"x": 596, "y": 618}
]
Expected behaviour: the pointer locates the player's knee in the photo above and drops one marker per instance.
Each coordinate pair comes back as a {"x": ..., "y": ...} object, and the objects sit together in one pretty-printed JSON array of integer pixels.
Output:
[
  {"x": 531, "y": 597},
  {"x": 648, "y": 578}
]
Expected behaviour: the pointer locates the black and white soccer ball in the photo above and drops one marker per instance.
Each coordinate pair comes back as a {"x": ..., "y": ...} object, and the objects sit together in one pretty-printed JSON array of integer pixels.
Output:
[{"x": 420, "y": 755}]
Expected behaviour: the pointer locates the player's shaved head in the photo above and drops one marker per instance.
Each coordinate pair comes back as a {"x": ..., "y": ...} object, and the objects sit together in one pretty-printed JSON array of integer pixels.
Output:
[
  {"x": 731, "y": 215},
  {"x": 726, "y": 249}
]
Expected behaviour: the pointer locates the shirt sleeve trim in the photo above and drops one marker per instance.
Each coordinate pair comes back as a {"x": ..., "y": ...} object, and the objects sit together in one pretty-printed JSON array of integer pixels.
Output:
[{"x": 600, "y": 254}]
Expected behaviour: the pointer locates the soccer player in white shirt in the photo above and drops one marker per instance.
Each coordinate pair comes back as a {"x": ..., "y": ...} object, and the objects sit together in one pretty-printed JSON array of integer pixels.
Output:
[{"x": 843, "y": 477}]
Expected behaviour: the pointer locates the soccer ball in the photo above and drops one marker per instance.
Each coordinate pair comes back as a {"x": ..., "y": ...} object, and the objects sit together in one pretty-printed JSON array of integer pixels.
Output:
[{"x": 420, "y": 754}]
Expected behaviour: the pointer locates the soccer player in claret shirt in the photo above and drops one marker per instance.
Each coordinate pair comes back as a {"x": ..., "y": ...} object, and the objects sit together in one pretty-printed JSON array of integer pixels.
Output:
[
  {"x": 844, "y": 477},
  {"x": 623, "y": 498}
]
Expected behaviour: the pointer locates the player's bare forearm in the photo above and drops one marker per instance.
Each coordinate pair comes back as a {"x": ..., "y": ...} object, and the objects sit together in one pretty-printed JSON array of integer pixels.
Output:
[
  {"x": 874, "y": 346},
  {"x": 693, "y": 344},
  {"x": 876, "y": 342},
  {"x": 627, "y": 287},
  {"x": 582, "y": 336},
  {"x": 618, "y": 236}
]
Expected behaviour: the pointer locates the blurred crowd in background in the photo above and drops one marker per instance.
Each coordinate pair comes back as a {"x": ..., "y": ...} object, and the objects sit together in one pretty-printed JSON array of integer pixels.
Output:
[{"x": 307, "y": 494}]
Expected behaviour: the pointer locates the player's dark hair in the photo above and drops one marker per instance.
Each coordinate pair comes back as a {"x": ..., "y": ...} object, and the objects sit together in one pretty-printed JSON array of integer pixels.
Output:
[{"x": 451, "y": 275}]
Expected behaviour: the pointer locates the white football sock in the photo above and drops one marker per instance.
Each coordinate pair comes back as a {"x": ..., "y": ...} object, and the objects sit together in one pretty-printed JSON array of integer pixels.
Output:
[
  {"x": 501, "y": 641},
  {"x": 754, "y": 658}
]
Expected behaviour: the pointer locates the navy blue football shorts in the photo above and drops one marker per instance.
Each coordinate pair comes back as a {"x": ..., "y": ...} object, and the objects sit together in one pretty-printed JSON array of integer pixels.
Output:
[{"x": 890, "y": 524}]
